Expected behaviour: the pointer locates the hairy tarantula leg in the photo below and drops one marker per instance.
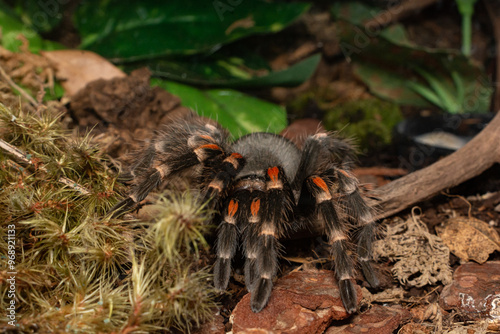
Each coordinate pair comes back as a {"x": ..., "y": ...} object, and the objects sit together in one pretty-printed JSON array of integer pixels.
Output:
[
  {"x": 267, "y": 240},
  {"x": 161, "y": 168},
  {"x": 228, "y": 169},
  {"x": 344, "y": 266},
  {"x": 308, "y": 159},
  {"x": 227, "y": 241},
  {"x": 362, "y": 214},
  {"x": 138, "y": 192},
  {"x": 250, "y": 246}
]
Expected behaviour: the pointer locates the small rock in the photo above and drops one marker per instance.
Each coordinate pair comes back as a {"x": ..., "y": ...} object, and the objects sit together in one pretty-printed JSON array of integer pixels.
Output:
[
  {"x": 301, "y": 302},
  {"x": 378, "y": 320},
  {"x": 475, "y": 291}
]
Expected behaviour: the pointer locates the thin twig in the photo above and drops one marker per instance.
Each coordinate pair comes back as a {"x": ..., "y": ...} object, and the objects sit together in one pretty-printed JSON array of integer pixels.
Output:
[
  {"x": 19, "y": 89},
  {"x": 398, "y": 12},
  {"x": 20, "y": 155}
]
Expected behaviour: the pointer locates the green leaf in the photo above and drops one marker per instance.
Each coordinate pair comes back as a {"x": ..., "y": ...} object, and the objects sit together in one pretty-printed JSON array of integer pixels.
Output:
[
  {"x": 427, "y": 93},
  {"x": 444, "y": 92},
  {"x": 146, "y": 29},
  {"x": 239, "y": 113},
  {"x": 388, "y": 85},
  {"x": 231, "y": 72}
]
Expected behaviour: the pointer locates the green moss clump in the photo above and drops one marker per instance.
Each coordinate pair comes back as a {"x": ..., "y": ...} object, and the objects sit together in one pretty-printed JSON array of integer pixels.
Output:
[
  {"x": 370, "y": 121},
  {"x": 75, "y": 269}
]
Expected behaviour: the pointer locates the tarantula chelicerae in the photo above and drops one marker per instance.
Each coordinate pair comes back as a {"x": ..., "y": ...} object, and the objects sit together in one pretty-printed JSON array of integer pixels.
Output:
[{"x": 261, "y": 186}]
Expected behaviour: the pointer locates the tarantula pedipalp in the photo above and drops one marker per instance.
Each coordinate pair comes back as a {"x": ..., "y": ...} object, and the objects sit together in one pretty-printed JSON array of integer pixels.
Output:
[{"x": 261, "y": 186}]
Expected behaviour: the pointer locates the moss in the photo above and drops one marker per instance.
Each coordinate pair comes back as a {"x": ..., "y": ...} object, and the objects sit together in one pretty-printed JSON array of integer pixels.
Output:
[
  {"x": 370, "y": 121},
  {"x": 78, "y": 270}
]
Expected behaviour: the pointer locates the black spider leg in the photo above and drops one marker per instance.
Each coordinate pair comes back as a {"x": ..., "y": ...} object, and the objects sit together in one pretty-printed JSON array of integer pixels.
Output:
[
  {"x": 241, "y": 212},
  {"x": 359, "y": 212},
  {"x": 362, "y": 215},
  {"x": 227, "y": 241},
  {"x": 142, "y": 165},
  {"x": 222, "y": 175},
  {"x": 227, "y": 238},
  {"x": 252, "y": 194},
  {"x": 203, "y": 144},
  {"x": 337, "y": 238},
  {"x": 251, "y": 233},
  {"x": 278, "y": 203}
]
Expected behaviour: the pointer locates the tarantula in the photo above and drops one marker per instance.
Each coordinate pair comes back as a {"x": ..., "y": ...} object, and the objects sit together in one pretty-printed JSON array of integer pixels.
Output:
[{"x": 261, "y": 187}]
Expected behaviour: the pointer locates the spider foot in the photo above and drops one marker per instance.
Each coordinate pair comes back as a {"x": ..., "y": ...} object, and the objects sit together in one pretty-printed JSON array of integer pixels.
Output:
[
  {"x": 369, "y": 274},
  {"x": 222, "y": 271},
  {"x": 122, "y": 207},
  {"x": 261, "y": 294},
  {"x": 348, "y": 295}
]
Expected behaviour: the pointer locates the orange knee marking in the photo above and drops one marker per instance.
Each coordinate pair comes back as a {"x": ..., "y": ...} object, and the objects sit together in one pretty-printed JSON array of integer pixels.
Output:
[
  {"x": 321, "y": 183},
  {"x": 233, "y": 159},
  {"x": 273, "y": 173},
  {"x": 344, "y": 173},
  {"x": 207, "y": 137},
  {"x": 232, "y": 208},
  {"x": 236, "y": 155},
  {"x": 254, "y": 207},
  {"x": 211, "y": 146}
]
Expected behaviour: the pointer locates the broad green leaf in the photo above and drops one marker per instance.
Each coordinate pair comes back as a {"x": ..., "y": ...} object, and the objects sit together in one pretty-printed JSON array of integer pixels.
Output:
[
  {"x": 388, "y": 85},
  {"x": 232, "y": 72},
  {"x": 11, "y": 27},
  {"x": 239, "y": 113},
  {"x": 146, "y": 29}
]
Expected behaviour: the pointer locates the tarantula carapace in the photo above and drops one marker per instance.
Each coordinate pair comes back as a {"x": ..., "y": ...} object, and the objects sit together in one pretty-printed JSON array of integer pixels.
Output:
[{"x": 261, "y": 186}]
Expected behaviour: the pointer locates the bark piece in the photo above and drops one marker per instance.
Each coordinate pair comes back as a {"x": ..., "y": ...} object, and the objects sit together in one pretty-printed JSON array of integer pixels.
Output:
[
  {"x": 475, "y": 291},
  {"x": 378, "y": 320},
  {"x": 301, "y": 302}
]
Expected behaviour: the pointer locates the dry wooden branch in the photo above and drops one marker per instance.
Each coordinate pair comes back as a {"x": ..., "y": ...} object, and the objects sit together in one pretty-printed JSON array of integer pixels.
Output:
[
  {"x": 21, "y": 156},
  {"x": 21, "y": 91},
  {"x": 471, "y": 160},
  {"x": 398, "y": 12}
]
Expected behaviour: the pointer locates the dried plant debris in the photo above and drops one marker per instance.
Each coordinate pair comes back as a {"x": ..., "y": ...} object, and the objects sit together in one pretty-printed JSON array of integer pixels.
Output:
[
  {"x": 469, "y": 238},
  {"x": 72, "y": 266},
  {"x": 420, "y": 258},
  {"x": 24, "y": 73}
]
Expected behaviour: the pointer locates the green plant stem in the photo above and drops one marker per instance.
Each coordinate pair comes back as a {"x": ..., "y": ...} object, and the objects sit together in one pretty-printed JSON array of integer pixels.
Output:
[
  {"x": 466, "y": 9},
  {"x": 466, "y": 35}
]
